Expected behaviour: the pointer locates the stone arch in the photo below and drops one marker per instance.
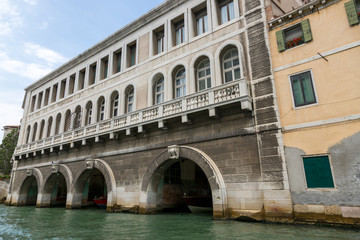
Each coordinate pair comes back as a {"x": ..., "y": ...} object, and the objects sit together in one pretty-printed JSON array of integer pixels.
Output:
[
  {"x": 23, "y": 188},
  {"x": 218, "y": 59},
  {"x": 126, "y": 93},
  {"x": 151, "y": 89},
  {"x": 171, "y": 78},
  {"x": 49, "y": 181},
  {"x": 167, "y": 158},
  {"x": 193, "y": 67},
  {"x": 81, "y": 176}
]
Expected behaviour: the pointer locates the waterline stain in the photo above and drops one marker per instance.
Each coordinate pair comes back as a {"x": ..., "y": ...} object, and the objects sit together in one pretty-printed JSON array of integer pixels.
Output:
[{"x": 58, "y": 223}]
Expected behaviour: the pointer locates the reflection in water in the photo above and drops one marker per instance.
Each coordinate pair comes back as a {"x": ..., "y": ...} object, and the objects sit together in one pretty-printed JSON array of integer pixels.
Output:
[{"x": 58, "y": 223}]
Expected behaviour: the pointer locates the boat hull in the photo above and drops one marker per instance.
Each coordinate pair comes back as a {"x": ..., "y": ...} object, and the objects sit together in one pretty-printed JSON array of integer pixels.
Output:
[{"x": 100, "y": 203}]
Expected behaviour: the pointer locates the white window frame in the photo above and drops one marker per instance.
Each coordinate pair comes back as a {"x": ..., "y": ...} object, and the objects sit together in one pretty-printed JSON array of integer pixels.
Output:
[
  {"x": 205, "y": 77},
  {"x": 130, "y": 95},
  {"x": 292, "y": 94},
  {"x": 231, "y": 59},
  {"x": 181, "y": 86},
  {"x": 332, "y": 173},
  {"x": 159, "y": 93},
  {"x": 115, "y": 105}
]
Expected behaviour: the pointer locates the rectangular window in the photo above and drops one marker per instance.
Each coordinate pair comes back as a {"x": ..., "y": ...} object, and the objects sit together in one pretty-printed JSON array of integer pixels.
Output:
[
  {"x": 302, "y": 89},
  {"x": 92, "y": 74},
  {"x": 47, "y": 94},
  {"x": 353, "y": 11},
  {"x": 62, "y": 88},
  {"x": 318, "y": 172},
  {"x": 104, "y": 68},
  {"x": 54, "y": 93},
  {"x": 179, "y": 32},
  {"x": 72, "y": 84},
  {"x": 294, "y": 35},
  {"x": 33, "y": 101},
  {"x": 81, "y": 83},
  {"x": 117, "y": 61},
  {"x": 39, "y": 100},
  {"x": 226, "y": 8},
  {"x": 159, "y": 42},
  {"x": 201, "y": 22},
  {"x": 131, "y": 54}
]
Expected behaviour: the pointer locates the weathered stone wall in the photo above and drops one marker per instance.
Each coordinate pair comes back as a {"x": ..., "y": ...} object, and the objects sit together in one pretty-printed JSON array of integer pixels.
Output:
[
  {"x": 4, "y": 189},
  {"x": 342, "y": 202}
]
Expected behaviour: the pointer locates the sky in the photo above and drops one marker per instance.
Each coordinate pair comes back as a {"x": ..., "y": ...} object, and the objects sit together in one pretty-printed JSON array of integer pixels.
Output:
[{"x": 37, "y": 36}]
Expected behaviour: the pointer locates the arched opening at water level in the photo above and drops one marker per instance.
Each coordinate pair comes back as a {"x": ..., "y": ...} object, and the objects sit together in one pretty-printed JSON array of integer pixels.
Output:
[
  {"x": 28, "y": 192},
  {"x": 55, "y": 191},
  {"x": 179, "y": 185},
  {"x": 183, "y": 187},
  {"x": 181, "y": 173},
  {"x": 91, "y": 189}
]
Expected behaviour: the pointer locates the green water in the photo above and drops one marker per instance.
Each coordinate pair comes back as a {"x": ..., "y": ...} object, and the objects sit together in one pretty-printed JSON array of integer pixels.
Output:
[{"x": 58, "y": 223}]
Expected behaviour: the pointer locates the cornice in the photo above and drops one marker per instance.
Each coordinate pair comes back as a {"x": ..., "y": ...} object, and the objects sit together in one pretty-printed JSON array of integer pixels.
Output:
[{"x": 306, "y": 9}]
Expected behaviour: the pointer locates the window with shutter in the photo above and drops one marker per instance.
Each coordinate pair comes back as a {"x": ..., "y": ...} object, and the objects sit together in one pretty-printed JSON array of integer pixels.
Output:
[
  {"x": 353, "y": 11},
  {"x": 302, "y": 89},
  {"x": 318, "y": 172},
  {"x": 294, "y": 36}
]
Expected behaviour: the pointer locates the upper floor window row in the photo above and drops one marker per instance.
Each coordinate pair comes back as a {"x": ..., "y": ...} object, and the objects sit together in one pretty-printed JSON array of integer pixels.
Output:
[
  {"x": 110, "y": 106},
  {"x": 100, "y": 69}
]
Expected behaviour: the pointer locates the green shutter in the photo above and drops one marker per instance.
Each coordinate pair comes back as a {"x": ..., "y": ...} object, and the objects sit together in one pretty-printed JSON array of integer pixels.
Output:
[
  {"x": 297, "y": 92},
  {"x": 305, "y": 25},
  {"x": 318, "y": 172},
  {"x": 351, "y": 12},
  {"x": 280, "y": 40}
]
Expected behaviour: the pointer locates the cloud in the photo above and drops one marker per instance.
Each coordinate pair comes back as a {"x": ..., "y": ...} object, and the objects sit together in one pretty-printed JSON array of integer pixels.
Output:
[
  {"x": 10, "y": 103},
  {"x": 43, "y": 53},
  {"x": 9, "y": 17},
  {"x": 28, "y": 70},
  {"x": 31, "y": 2},
  {"x": 44, "y": 25}
]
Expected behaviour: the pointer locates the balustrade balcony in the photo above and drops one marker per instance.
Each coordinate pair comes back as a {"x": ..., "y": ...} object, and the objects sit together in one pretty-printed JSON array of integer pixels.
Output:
[{"x": 237, "y": 91}]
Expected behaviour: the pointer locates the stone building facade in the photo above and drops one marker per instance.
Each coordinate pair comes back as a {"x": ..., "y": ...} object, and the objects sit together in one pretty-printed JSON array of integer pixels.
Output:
[
  {"x": 181, "y": 98},
  {"x": 315, "y": 55}
]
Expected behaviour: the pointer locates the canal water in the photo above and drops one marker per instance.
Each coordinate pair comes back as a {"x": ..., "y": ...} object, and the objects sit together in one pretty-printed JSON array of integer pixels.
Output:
[{"x": 58, "y": 223}]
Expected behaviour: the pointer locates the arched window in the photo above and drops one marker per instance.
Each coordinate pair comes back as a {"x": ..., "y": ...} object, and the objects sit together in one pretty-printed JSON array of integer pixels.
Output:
[
  {"x": 101, "y": 109},
  {"x": 42, "y": 126},
  {"x": 89, "y": 111},
  {"x": 58, "y": 121},
  {"x": 34, "y": 132},
  {"x": 77, "y": 117},
  {"x": 129, "y": 99},
  {"x": 231, "y": 65},
  {"x": 159, "y": 90},
  {"x": 180, "y": 83},
  {"x": 203, "y": 75},
  {"x": 67, "y": 124},
  {"x": 115, "y": 104},
  {"x": 49, "y": 126},
  {"x": 28, "y": 134}
]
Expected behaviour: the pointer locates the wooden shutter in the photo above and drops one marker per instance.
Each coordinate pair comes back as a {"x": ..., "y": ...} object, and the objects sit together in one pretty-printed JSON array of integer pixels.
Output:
[
  {"x": 351, "y": 12},
  {"x": 318, "y": 172},
  {"x": 305, "y": 25},
  {"x": 280, "y": 40}
]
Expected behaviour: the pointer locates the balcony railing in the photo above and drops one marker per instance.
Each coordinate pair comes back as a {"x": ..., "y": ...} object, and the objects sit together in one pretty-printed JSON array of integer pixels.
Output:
[{"x": 238, "y": 91}]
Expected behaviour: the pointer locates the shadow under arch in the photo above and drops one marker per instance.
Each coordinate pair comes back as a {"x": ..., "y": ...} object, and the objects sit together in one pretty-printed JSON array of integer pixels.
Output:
[
  {"x": 27, "y": 181},
  {"x": 50, "y": 182},
  {"x": 148, "y": 202},
  {"x": 84, "y": 172}
]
